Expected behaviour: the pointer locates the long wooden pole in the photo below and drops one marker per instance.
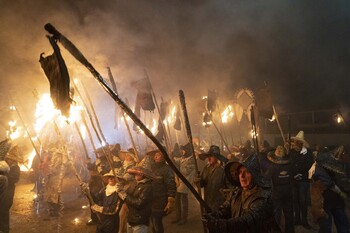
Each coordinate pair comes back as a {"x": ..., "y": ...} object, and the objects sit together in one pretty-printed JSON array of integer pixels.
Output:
[
  {"x": 278, "y": 124},
  {"x": 82, "y": 140},
  {"x": 79, "y": 56},
  {"x": 190, "y": 140},
  {"x": 88, "y": 131},
  {"x": 114, "y": 86},
  {"x": 94, "y": 112},
  {"x": 87, "y": 111},
  {"x": 30, "y": 137},
  {"x": 222, "y": 138},
  {"x": 166, "y": 138},
  {"x": 63, "y": 145}
]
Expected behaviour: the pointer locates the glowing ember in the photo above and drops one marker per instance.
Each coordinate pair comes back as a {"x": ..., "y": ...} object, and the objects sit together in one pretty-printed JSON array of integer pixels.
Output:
[
  {"x": 253, "y": 135},
  {"x": 76, "y": 220}
]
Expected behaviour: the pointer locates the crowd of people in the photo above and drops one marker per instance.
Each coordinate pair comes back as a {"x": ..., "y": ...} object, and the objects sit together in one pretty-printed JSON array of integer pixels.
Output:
[
  {"x": 9, "y": 176},
  {"x": 266, "y": 190}
]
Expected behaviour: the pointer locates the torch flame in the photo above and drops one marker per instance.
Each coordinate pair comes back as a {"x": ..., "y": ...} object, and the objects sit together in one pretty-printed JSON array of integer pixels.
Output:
[
  {"x": 226, "y": 114},
  {"x": 154, "y": 127},
  {"x": 273, "y": 118}
]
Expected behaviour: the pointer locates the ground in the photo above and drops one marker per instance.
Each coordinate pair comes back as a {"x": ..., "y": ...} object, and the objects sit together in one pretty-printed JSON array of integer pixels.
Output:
[{"x": 26, "y": 218}]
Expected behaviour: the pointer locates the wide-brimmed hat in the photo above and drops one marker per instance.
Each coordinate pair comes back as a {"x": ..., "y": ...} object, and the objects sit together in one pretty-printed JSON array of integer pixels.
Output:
[
  {"x": 327, "y": 161},
  {"x": 187, "y": 148},
  {"x": 152, "y": 153},
  {"x": 119, "y": 177},
  {"x": 300, "y": 137},
  {"x": 107, "y": 175},
  {"x": 213, "y": 151},
  {"x": 138, "y": 170},
  {"x": 252, "y": 165},
  {"x": 123, "y": 154},
  {"x": 278, "y": 156}
]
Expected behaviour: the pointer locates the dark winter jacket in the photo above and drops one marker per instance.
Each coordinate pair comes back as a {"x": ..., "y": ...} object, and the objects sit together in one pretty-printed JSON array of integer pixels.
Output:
[
  {"x": 302, "y": 163},
  {"x": 163, "y": 187},
  {"x": 139, "y": 202},
  {"x": 281, "y": 176},
  {"x": 13, "y": 178},
  {"x": 3, "y": 188},
  {"x": 212, "y": 179},
  {"x": 250, "y": 211}
]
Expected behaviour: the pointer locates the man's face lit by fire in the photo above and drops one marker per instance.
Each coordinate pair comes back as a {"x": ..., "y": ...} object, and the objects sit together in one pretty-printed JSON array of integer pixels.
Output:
[
  {"x": 245, "y": 177},
  {"x": 111, "y": 180},
  {"x": 158, "y": 157},
  {"x": 212, "y": 160},
  {"x": 297, "y": 145}
]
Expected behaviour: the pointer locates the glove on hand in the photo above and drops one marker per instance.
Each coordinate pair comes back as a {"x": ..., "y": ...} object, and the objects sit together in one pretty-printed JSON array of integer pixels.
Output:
[
  {"x": 96, "y": 208},
  {"x": 170, "y": 205},
  {"x": 214, "y": 224}
]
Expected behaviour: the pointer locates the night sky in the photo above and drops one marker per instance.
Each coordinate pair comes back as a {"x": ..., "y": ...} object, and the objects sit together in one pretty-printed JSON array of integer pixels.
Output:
[{"x": 301, "y": 48}]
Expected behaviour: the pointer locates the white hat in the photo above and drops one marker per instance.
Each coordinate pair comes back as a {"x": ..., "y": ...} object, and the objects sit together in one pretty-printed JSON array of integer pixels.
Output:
[{"x": 300, "y": 137}]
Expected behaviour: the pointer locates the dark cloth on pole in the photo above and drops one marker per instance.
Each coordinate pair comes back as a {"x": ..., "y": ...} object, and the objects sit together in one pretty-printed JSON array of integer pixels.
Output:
[
  {"x": 264, "y": 103},
  {"x": 144, "y": 97},
  {"x": 212, "y": 100},
  {"x": 177, "y": 124},
  {"x": 56, "y": 72}
]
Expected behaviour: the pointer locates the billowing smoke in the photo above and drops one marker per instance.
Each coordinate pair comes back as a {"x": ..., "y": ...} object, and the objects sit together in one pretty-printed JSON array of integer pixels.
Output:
[{"x": 299, "y": 47}]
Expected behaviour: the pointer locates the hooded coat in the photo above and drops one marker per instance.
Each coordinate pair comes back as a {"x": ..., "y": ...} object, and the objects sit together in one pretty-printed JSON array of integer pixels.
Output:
[{"x": 248, "y": 210}]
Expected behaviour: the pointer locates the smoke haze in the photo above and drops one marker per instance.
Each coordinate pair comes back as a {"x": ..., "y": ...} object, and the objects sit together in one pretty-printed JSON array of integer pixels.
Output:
[{"x": 301, "y": 48}]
